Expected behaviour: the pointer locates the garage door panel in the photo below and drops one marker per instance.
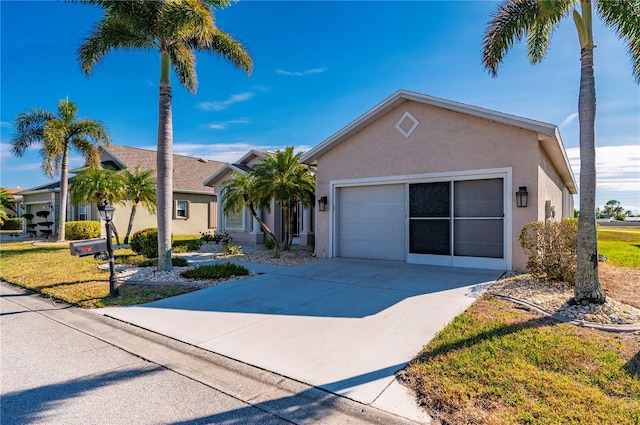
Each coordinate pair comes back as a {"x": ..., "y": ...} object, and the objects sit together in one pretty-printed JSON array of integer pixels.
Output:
[
  {"x": 363, "y": 232},
  {"x": 373, "y": 250},
  {"x": 371, "y": 222}
]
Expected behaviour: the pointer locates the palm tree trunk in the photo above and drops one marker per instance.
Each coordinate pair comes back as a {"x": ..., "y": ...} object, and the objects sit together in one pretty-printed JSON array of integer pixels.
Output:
[
  {"x": 134, "y": 207},
  {"x": 164, "y": 163},
  {"x": 292, "y": 222},
  {"x": 64, "y": 193},
  {"x": 588, "y": 287},
  {"x": 263, "y": 225}
]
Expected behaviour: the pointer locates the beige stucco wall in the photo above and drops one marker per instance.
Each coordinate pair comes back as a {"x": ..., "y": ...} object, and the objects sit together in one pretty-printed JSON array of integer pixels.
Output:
[
  {"x": 197, "y": 222},
  {"x": 444, "y": 141}
]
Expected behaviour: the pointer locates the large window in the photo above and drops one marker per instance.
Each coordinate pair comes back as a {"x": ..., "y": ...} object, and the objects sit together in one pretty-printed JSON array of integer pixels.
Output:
[{"x": 234, "y": 220}]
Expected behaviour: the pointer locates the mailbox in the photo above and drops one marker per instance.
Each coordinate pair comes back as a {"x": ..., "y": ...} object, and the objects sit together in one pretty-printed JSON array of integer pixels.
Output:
[{"x": 90, "y": 247}]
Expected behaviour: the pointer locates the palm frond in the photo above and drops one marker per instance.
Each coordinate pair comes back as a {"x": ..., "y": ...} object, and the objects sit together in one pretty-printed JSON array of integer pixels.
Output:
[
  {"x": 222, "y": 44},
  {"x": 509, "y": 23},
  {"x": 183, "y": 62},
  {"x": 29, "y": 129},
  {"x": 623, "y": 16},
  {"x": 183, "y": 20},
  {"x": 112, "y": 34}
]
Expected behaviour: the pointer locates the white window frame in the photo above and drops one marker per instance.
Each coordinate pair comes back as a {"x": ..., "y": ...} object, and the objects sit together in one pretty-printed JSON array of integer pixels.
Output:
[
  {"x": 84, "y": 209},
  {"x": 177, "y": 209}
]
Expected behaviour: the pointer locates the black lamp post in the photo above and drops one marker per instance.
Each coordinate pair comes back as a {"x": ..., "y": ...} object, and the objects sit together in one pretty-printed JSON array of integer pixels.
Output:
[{"x": 106, "y": 213}]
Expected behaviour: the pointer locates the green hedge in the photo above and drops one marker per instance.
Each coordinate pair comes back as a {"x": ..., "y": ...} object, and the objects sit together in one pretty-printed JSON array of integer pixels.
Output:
[
  {"x": 145, "y": 242},
  {"x": 75, "y": 230},
  {"x": 12, "y": 224}
]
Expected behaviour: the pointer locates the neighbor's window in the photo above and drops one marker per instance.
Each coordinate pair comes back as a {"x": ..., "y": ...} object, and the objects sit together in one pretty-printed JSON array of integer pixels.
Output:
[
  {"x": 181, "y": 209},
  {"x": 83, "y": 212},
  {"x": 233, "y": 220}
]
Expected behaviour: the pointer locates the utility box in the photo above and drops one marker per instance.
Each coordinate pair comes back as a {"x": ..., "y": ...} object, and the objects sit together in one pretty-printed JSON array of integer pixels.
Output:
[{"x": 90, "y": 247}]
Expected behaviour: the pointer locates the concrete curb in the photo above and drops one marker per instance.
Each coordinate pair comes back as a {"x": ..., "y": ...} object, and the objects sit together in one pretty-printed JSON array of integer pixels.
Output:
[{"x": 564, "y": 319}]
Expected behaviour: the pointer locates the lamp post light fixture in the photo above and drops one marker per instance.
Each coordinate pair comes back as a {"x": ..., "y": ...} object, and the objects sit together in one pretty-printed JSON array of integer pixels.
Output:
[
  {"x": 106, "y": 212},
  {"x": 322, "y": 204},
  {"x": 521, "y": 197}
]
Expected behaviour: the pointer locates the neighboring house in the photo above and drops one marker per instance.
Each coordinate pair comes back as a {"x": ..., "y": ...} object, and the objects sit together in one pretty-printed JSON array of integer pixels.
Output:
[
  {"x": 431, "y": 181},
  {"x": 194, "y": 207},
  {"x": 17, "y": 199},
  {"x": 242, "y": 226}
]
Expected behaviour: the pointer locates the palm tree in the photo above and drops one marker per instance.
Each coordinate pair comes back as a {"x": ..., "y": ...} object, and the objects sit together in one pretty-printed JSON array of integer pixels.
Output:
[
  {"x": 140, "y": 187},
  {"x": 283, "y": 178},
  {"x": 57, "y": 133},
  {"x": 6, "y": 203},
  {"x": 537, "y": 19},
  {"x": 95, "y": 184},
  {"x": 177, "y": 30},
  {"x": 238, "y": 192}
]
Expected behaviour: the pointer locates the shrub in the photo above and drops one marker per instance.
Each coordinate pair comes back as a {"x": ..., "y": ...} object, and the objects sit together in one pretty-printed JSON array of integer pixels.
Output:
[
  {"x": 231, "y": 248},
  {"x": 269, "y": 243},
  {"x": 215, "y": 271},
  {"x": 175, "y": 262},
  {"x": 75, "y": 230},
  {"x": 186, "y": 245},
  {"x": 145, "y": 242},
  {"x": 12, "y": 224},
  {"x": 552, "y": 249}
]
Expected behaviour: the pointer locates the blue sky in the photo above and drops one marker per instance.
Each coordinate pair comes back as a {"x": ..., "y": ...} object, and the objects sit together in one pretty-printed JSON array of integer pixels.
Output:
[{"x": 318, "y": 66}]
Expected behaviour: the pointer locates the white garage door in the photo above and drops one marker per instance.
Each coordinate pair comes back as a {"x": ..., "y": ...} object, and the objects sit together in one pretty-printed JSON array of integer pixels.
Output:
[{"x": 371, "y": 222}]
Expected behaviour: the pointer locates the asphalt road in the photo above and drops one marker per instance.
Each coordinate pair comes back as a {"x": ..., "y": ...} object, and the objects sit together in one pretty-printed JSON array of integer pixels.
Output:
[{"x": 63, "y": 365}]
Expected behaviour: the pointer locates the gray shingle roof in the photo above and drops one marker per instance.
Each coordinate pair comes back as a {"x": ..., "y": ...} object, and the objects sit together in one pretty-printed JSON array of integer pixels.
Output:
[{"x": 189, "y": 172}]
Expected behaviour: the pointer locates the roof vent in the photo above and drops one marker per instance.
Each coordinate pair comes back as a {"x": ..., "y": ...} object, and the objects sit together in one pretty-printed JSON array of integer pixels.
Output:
[{"x": 202, "y": 160}]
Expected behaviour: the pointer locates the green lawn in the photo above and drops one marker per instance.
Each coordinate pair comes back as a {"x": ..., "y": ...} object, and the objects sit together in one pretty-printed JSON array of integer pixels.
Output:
[
  {"x": 499, "y": 364},
  {"x": 51, "y": 270},
  {"x": 621, "y": 245}
]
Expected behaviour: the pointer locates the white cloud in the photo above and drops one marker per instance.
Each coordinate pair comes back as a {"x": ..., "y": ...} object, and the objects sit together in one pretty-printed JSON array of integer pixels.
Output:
[
  {"x": 302, "y": 73},
  {"x": 617, "y": 173},
  {"x": 569, "y": 119},
  {"x": 224, "y": 124},
  {"x": 226, "y": 152},
  {"x": 221, "y": 105}
]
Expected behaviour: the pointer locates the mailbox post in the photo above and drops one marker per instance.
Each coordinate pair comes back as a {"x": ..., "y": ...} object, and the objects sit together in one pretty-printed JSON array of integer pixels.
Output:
[{"x": 106, "y": 213}]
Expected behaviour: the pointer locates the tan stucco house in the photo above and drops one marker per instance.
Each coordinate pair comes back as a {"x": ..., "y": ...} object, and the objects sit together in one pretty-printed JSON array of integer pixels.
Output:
[
  {"x": 194, "y": 204},
  {"x": 431, "y": 181},
  {"x": 242, "y": 226}
]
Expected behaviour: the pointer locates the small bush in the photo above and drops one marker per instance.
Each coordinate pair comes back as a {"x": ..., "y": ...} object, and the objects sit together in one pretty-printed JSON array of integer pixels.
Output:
[
  {"x": 76, "y": 230},
  {"x": 269, "y": 243},
  {"x": 231, "y": 248},
  {"x": 552, "y": 249},
  {"x": 215, "y": 271},
  {"x": 186, "y": 245},
  {"x": 206, "y": 237},
  {"x": 145, "y": 242},
  {"x": 12, "y": 224}
]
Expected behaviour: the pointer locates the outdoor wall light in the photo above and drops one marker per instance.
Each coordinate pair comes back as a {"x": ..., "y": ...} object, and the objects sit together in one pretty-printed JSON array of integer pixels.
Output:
[
  {"x": 322, "y": 204},
  {"x": 106, "y": 212},
  {"x": 521, "y": 196}
]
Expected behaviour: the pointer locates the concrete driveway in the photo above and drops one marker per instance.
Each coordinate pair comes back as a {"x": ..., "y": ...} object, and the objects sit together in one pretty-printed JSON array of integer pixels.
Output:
[{"x": 340, "y": 324}]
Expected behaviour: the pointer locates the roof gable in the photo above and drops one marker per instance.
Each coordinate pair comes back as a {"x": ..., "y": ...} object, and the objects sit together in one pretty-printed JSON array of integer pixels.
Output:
[{"x": 548, "y": 134}]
